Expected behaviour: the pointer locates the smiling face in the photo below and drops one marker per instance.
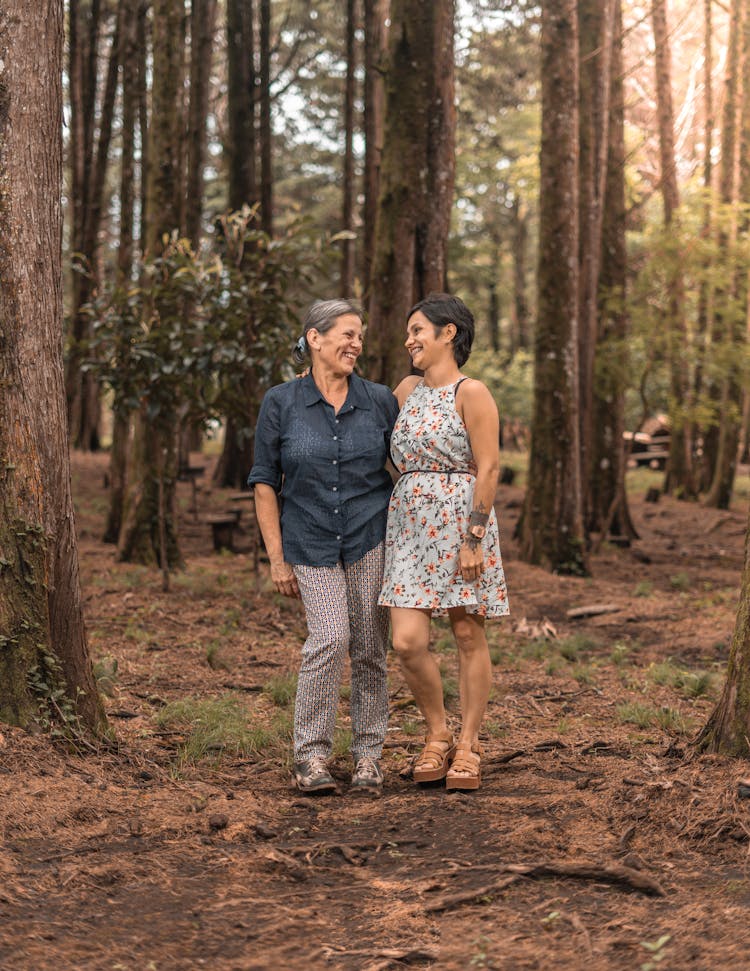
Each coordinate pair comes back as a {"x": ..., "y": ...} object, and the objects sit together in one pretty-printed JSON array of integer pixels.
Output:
[
  {"x": 426, "y": 343},
  {"x": 336, "y": 351}
]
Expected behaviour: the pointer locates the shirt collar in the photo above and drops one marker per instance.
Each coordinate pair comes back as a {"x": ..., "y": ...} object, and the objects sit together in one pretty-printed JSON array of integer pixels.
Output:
[{"x": 357, "y": 396}]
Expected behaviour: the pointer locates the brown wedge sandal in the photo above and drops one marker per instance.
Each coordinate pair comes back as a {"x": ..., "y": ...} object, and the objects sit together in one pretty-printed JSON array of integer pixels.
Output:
[
  {"x": 433, "y": 761},
  {"x": 466, "y": 761}
]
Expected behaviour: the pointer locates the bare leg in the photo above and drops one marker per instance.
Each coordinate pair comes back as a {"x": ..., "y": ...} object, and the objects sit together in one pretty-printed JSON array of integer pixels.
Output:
[
  {"x": 475, "y": 671},
  {"x": 411, "y": 641}
]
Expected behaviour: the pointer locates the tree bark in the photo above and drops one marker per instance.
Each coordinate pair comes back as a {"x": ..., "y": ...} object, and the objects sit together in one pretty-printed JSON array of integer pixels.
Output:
[
  {"x": 241, "y": 104},
  {"x": 520, "y": 301},
  {"x": 347, "y": 208},
  {"x": 551, "y": 526},
  {"x": 376, "y": 43},
  {"x": 728, "y": 727},
  {"x": 680, "y": 478},
  {"x": 608, "y": 507},
  {"x": 152, "y": 457},
  {"x": 417, "y": 176},
  {"x": 42, "y": 631},
  {"x": 266, "y": 151},
  {"x": 202, "y": 21}
]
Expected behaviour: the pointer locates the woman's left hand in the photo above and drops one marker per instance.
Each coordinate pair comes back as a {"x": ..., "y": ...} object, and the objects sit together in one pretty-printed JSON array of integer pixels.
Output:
[{"x": 471, "y": 562}]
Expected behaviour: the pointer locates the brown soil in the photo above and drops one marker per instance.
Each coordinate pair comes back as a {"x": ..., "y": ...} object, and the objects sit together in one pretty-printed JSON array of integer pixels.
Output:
[{"x": 594, "y": 842}]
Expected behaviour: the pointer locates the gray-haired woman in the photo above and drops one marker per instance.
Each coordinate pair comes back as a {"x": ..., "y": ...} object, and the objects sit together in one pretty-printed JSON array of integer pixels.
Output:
[{"x": 321, "y": 495}]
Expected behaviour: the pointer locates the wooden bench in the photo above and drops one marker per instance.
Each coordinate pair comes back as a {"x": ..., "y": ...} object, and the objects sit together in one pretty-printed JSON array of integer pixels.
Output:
[
  {"x": 189, "y": 473},
  {"x": 223, "y": 526}
]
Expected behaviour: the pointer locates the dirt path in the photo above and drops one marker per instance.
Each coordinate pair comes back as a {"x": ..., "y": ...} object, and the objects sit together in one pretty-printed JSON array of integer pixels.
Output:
[{"x": 595, "y": 841}]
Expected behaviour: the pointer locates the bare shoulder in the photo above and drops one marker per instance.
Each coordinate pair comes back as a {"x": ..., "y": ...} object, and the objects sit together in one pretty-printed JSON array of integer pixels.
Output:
[
  {"x": 476, "y": 394},
  {"x": 405, "y": 387}
]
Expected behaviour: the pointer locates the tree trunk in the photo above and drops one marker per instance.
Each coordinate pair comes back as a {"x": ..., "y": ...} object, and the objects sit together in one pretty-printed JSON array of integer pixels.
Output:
[
  {"x": 551, "y": 527},
  {"x": 153, "y": 446},
  {"x": 417, "y": 176},
  {"x": 728, "y": 728},
  {"x": 266, "y": 170},
  {"x": 595, "y": 50},
  {"x": 520, "y": 302},
  {"x": 241, "y": 103},
  {"x": 42, "y": 631},
  {"x": 608, "y": 507},
  {"x": 680, "y": 478},
  {"x": 729, "y": 334},
  {"x": 202, "y": 20},
  {"x": 376, "y": 41},
  {"x": 347, "y": 209},
  {"x": 144, "y": 46}
]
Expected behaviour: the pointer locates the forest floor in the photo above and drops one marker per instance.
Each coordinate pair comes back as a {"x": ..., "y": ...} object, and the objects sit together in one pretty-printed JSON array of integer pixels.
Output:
[{"x": 597, "y": 840}]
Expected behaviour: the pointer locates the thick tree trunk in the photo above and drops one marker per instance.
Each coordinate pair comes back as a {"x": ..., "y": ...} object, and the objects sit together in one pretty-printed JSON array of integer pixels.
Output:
[
  {"x": 202, "y": 20},
  {"x": 595, "y": 47},
  {"x": 153, "y": 447},
  {"x": 608, "y": 507},
  {"x": 417, "y": 176},
  {"x": 551, "y": 527},
  {"x": 266, "y": 153},
  {"x": 376, "y": 41},
  {"x": 728, "y": 728},
  {"x": 680, "y": 478},
  {"x": 347, "y": 209},
  {"x": 42, "y": 632},
  {"x": 241, "y": 103}
]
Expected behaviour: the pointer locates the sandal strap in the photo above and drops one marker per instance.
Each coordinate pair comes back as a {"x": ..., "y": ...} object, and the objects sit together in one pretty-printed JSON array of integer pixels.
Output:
[
  {"x": 466, "y": 759},
  {"x": 434, "y": 752}
]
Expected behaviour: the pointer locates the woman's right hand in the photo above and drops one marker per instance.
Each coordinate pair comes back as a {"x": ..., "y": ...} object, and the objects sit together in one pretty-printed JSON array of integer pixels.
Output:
[{"x": 284, "y": 579}]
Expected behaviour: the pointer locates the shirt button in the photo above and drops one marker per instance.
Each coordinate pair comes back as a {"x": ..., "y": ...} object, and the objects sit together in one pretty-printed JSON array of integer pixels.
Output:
[
  {"x": 338, "y": 537},
  {"x": 335, "y": 462},
  {"x": 337, "y": 421},
  {"x": 335, "y": 438},
  {"x": 335, "y": 488},
  {"x": 335, "y": 510}
]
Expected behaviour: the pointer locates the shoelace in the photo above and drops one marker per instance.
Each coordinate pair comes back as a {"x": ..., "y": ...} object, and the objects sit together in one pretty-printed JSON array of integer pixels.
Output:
[
  {"x": 317, "y": 765},
  {"x": 367, "y": 769}
]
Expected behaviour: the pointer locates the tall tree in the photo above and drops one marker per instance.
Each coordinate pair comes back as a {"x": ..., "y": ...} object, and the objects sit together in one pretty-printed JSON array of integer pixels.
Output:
[
  {"x": 347, "y": 208},
  {"x": 42, "y": 631},
  {"x": 202, "y": 21},
  {"x": 417, "y": 174},
  {"x": 376, "y": 41},
  {"x": 551, "y": 526},
  {"x": 608, "y": 503},
  {"x": 595, "y": 47},
  {"x": 680, "y": 477},
  {"x": 148, "y": 533},
  {"x": 265, "y": 132},
  {"x": 91, "y": 132},
  {"x": 240, "y": 145}
]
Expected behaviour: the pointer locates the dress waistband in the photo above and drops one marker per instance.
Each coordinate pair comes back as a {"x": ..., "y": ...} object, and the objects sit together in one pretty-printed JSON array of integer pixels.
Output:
[{"x": 439, "y": 472}]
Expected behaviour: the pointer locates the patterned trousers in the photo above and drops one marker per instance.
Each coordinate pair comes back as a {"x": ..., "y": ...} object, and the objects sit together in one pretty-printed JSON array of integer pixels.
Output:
[{"x": 341, "y": 605}]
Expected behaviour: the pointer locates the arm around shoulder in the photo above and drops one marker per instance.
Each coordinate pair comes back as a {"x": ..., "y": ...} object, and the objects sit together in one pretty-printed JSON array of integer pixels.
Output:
[{"x": 405, "y": 388}]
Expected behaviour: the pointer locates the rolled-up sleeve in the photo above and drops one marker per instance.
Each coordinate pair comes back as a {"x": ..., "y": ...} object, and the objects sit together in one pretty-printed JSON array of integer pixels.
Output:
[{"x": 267, "y": 456}]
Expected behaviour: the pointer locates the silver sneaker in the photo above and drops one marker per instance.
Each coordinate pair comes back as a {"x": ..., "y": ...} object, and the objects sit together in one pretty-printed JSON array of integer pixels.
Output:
[
  {"x": 313, "y": 776},
  {"x": 367, "y": 776}
]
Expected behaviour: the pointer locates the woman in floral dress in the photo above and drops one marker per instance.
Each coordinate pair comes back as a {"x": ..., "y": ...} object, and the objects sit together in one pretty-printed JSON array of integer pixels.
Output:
[{"x": 442, "y": 550}]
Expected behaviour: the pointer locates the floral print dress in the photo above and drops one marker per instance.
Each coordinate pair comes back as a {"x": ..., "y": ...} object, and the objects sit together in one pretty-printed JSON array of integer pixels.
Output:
[{"x": 429, "y": 513}]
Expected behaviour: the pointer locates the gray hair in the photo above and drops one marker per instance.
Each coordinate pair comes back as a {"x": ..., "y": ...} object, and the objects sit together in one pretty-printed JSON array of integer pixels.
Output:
[{"x": 321, "y": 316}]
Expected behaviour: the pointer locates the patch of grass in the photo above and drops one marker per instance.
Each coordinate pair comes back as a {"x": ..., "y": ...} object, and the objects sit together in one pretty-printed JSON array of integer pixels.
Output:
[
  {"x": 572, "y": 647},
  {"x": 680, "y": 581},
  {"x": 663, "y": 673},
  {"x": 644, "y": 588},
  {"x": 696, "y": 684},
  {"x": 583, "y": 674},
  {"x": 450, "y": 687},
  {"x": 635, "y": 713},
  {"x": 134, "y": 632},
  {"x": 105, "y": 674},
  {"x": 494, "y": 729},
  {"x": 342, "y": 742},
  {"x": 345, "y": 692},
  {"x": 535, "y": 650},
  {"x": 412, "y": 728},
  {"x": 670, "y": 720},
  {"x": 497, "y": 655},
  {"x": 445, "y": 644},
  {"x": 281, "y": 689},
  {"x": 216, "y": 727},
  {"x": 213, "y": 656},
  {"x": 553, "y": 666},
  {"x": 619, "y": 653},
  {"x": 563, "y": 726}
]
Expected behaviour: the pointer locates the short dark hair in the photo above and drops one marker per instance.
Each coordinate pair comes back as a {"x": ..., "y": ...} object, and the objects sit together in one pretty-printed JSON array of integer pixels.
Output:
[
  {"x": 321, "y": 316},
  {"x": 442, "y": 309}
]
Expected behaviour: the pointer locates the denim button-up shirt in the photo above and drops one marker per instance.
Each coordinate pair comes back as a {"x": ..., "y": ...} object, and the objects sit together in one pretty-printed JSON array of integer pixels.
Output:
[{"x": 328, "y": 467}]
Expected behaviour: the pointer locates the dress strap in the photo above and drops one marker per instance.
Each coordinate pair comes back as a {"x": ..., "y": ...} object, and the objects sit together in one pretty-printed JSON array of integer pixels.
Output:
[{"x": 457, "y": 385}]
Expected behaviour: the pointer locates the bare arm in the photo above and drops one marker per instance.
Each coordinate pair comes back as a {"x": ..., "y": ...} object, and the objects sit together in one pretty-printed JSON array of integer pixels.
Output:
[
  {"x": 269, "y": 521},
  {"x": 405, "y": 388},
  {"x": 479, "y": 412}
]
